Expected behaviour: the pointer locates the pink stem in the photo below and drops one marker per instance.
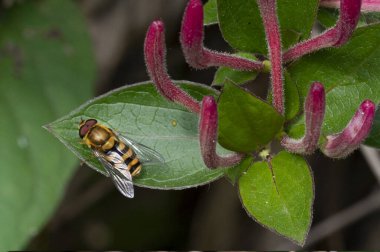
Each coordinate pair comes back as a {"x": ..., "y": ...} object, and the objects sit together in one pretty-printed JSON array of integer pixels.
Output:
[
  {"x": 314, "y": 113},
  {"x": 208, "y": 135},
  {"x": 336, "y": 36},
  {"x": 341, "y": 144},
  {"x": 192, "y": 44},
  {"x": 270, "y": 20},
  {"x": 155, "y": 53}
]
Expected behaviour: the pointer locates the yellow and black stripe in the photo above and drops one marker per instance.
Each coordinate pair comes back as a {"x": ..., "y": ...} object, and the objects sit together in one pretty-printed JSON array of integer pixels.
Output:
[{"x": 129, "y": 157}]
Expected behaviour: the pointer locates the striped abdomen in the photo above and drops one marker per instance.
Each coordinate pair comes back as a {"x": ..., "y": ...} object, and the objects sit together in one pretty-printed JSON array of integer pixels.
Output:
[{"x": 129, "y": 157}]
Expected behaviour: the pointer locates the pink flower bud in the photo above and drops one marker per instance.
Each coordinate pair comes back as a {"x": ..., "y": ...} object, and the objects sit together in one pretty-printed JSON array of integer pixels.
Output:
[
  {"x": 155, "y": 53},
  {"x": 208, "y": 135},
  {"x": 367, "y": 5},
  {"x": 341, "y": 144},
  {"x": 192, "y": 44},
  {"x": 314, "y": 113},
  {"x": 272, "y": 32},
  {"x": 336, "y": 36}
]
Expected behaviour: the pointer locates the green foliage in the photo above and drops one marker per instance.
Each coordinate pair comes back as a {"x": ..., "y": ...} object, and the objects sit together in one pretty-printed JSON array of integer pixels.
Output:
[
  {"x": 349, "y": 73},
  {"x": 140, "y": 113},
  {"x": 246, "y": 123},
  {"x": 238, "y": 77},
  {"x": 241, "y": 24},
  {"x": 279, "y": 194},
  {"x": 210, "y": 13},
  {"x": 46, "y": 69}
]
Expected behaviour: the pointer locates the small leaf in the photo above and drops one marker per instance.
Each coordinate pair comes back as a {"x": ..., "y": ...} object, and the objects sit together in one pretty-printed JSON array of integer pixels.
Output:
[
  {"x": 245, "y": 121},
  {"x": 349, "y": 74},
  {"x": 238, "y": 77},
  {"x": 210, "y": 13},
  {"x": 140, "y": 113},
  {"x": 233, "y": 174},
  {"x": 46, "y": 69},
  {"x": 280, "y": 195},
  {"x": 241, "y": 24}
]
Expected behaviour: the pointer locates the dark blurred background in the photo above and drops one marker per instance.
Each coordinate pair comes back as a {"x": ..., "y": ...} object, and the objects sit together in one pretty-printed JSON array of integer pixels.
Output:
[{"x": 94, "y": 215}]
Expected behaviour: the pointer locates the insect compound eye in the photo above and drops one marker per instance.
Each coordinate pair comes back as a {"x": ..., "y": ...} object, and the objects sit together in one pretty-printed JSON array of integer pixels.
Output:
[{"x": 86, "y": 127}]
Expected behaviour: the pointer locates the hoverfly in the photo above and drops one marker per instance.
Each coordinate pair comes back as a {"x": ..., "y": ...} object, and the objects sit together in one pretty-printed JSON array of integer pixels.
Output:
[{"x": 122, "y": 158}]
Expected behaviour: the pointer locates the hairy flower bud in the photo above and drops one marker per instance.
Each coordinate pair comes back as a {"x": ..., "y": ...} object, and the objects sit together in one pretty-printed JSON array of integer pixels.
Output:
[
  {"x": 314, "y": 113},
  {"x": 272, "y": 33},
  {"x": 208, "y": 135},
  {"x": 196, "y": 55},
  {"x": 155, "y": 53},
  {"x": 341, "y": 144},
  {"x": 336, "y": 36}
]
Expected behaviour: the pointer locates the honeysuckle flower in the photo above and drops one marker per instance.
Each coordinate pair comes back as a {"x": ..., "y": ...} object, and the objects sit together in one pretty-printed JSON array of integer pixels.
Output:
[
  {"x": 155, "y": 53},
  {"x": 367, "y": 5},
  {"x": 334, "y": 37},
  {"x": 341, "y": 144},
  {"x": 196, "y": 54},
  {"x": 272, "y": 32},
  {"x": 208, "y": 136},
  {"x": 314, "y": 110}
]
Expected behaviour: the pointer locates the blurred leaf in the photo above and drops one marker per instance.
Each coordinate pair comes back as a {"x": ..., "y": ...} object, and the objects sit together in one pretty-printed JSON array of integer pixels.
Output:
[
  {"x": 245, "y": 121},
  {"x": 140, "y": 113},
  {"x": 350, "y": 74},
  {"x": 280, "y": 195},
  {"x": 210, "y": 13},
  {"x": 241, "y": 24},
  {"x": 238, "y": 77},
  {"x": 46, "y": 69}
]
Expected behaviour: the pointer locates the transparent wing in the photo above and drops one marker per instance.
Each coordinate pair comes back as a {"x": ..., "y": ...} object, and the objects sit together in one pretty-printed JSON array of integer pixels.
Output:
[
  {"x": 119, "y": 174},
  {"x": 145, "y": 154}
]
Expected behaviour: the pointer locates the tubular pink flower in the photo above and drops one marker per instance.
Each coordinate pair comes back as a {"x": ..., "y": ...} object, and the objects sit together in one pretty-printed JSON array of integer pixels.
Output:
[
  {"x": 192, "y": 44},
  {"x": 272, "y": 32},
  {"x": 208, "y": 135},
  {"x": 155, "y": 53},
  {"x": 314, "y": 113},
  {"x": 367, "y": 5},
  {"x": 336, "y": 36},
  {"x": 341, "y": 144}
]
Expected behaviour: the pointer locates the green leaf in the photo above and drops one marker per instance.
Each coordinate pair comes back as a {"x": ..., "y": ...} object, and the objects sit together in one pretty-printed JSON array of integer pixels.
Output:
[
  {"x": 238, "y": 77},
  {"x": 210, "y": 13},
  {"x": 241, "y": 24},
  {"x": 140, "y": 113},
  {"x": 280, "y": 195},
  {"x": 245, "y": 121},
  {"x": 46, "y": 69},
  {"x": 349, "y": 74}
]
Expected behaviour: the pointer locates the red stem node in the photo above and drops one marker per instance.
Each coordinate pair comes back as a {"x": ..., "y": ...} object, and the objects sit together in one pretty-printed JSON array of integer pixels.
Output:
[{"x": 155, "y": 53}]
